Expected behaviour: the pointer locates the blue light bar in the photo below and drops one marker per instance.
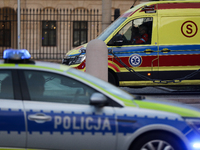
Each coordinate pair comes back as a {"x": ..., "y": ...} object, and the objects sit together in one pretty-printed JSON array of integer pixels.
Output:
[{"x": 13, "y": 54}]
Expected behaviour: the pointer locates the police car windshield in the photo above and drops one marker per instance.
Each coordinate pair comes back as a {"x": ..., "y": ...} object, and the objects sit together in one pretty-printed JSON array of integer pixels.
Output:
[
  {"x": 105, "y": 85},
  {"x": 108, "y": 31}
]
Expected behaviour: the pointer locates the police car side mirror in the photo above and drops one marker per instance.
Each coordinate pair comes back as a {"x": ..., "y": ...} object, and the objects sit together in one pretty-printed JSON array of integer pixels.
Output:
[{"x": 98, "y": 99}]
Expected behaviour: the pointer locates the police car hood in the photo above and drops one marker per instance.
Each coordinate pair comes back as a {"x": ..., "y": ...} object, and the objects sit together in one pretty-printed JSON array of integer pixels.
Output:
[{"x": 169, "y": 106}]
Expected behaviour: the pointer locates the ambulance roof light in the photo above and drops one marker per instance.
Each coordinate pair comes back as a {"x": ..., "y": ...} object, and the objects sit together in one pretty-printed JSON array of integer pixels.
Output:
[
  {"x": 149, "y": 9},
  {"x": 12, "y": 54}
]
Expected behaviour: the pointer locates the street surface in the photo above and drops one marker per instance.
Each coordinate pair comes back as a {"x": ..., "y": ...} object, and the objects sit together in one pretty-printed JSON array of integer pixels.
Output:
[{"x": 189, "y": 97}]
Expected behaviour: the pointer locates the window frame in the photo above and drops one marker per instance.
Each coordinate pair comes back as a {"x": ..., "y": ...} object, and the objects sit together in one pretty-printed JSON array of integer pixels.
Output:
[
  {"x": 131, "y": 23},
  {"x": 15, "y": 84},
  {"x": 48, "y": 30},
  {"x": 4, "y": 30},
  {"x": 27, "y": 95},
  {"x": 79, "y": 30}
]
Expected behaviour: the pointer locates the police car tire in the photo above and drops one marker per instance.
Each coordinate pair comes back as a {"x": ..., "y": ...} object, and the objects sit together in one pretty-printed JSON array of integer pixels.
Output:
[{"x": 167, "y": 138}]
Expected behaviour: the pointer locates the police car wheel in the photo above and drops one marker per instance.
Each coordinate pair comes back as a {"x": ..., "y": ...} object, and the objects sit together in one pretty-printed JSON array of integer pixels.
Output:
[{"x": 157, "y": 141}]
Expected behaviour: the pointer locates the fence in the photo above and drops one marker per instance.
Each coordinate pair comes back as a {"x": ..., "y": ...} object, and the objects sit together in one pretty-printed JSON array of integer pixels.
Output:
[{"x": 62, "y": 33}]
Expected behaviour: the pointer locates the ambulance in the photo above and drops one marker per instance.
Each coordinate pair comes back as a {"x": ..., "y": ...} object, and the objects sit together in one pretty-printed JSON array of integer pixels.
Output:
[{"x": 151, "y": 44}]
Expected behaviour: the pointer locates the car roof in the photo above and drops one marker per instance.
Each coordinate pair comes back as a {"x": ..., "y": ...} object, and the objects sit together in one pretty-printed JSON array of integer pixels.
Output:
[
  {"x": 136, "y": 9},
  {"x": 37, "y": 64}
]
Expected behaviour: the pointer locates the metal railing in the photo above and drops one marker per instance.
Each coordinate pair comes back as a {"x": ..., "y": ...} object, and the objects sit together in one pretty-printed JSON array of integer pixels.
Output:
[{"x": 31, "y": 30}]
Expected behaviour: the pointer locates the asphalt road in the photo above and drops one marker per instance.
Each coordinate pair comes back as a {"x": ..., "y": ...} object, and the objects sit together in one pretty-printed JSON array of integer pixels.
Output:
[{"x": 187, "y": 95}]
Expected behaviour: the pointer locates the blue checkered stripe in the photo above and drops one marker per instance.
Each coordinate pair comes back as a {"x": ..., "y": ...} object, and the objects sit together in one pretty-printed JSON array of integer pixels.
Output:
[
  {"x": 129, "y": 124},
  {"x": 13, "y": 120},
  {"x": 71, "y": 122}
]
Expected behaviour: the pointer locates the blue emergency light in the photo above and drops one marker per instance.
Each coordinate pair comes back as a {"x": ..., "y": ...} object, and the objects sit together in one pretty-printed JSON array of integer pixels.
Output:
[{"x": 13, "y": 54}]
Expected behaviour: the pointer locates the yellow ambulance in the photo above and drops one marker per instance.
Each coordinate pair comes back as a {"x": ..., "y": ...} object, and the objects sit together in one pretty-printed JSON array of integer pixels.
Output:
[{"x": 152, "y": 44}]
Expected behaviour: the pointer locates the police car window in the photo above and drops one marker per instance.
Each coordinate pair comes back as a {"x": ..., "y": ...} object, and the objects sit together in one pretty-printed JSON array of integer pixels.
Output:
[
  {"x": 137, "y": 31},
  {"x": 6, "y": 85},
  {"x": 50, "y": 87},
  {"x": 104, "y": 85}
]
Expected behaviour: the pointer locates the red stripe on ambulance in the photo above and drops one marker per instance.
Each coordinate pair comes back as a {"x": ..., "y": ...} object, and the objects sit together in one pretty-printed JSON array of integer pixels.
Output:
[
  {"x": 114, "y": 67},
  {"x": 178, "y": 5}
]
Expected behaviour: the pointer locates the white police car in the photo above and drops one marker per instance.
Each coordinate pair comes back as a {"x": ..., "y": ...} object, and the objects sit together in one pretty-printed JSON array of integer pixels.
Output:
[{"x": 51, "y": 106}]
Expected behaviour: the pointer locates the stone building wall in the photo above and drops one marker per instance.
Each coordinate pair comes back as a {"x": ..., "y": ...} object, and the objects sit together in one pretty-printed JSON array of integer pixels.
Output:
[
  {"x": 123, "y": 5},
  {"x": 63, "y": 12}
]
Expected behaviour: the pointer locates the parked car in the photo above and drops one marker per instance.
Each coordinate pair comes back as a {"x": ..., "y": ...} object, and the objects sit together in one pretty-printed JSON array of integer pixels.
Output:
[{"x": 52, "y": 106}]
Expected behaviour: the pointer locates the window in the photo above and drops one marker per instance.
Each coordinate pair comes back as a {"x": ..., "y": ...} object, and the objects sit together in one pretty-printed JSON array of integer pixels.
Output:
[
  {"x": 5, "y": 33},
  {"x": 80, "y": 32},
  {"x": 108, "y": 31},
  {"x": 48, "y": 33},
  {"x": 50, "y": 87},
  {"x": 103, "y": 84},
  {"x": 135, "y": 32},
  {"x": 6, "y": 85}
]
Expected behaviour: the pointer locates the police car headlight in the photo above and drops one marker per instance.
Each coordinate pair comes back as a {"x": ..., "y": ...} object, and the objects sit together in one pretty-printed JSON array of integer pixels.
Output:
[
  {"x": 194, "y": 123},
  {"x": 196, "y": 145}
]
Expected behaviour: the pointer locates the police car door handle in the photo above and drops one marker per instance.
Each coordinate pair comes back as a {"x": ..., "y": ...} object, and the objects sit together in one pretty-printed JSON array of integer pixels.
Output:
[
  {"x": 39, "y": 117},
  {"x": 165, "y": 50}
]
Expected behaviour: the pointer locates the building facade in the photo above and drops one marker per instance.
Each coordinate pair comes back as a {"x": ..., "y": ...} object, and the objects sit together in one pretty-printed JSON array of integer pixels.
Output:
[{"x": 50, "y": 28}]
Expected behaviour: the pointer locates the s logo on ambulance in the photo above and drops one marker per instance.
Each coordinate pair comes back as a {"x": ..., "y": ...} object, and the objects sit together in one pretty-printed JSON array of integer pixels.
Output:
[
  {"x": 135, "y": 60},
  {"x": 189, "y": 29}
]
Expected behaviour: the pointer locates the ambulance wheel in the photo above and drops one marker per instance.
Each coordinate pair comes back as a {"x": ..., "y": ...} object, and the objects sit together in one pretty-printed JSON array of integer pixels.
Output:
[
  {"x": 112, "y": 79},
  {"x": 157, "y": 141}
]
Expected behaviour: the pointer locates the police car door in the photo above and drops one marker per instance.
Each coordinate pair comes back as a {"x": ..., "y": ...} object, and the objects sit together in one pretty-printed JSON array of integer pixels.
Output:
[
  {"x": 59, "y": 115},
  {"x": 12, "y": 121}
]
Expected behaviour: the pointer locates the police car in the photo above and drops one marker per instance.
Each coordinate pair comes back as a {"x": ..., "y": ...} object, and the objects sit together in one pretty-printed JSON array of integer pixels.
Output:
[{"x": 52, "y": 106}]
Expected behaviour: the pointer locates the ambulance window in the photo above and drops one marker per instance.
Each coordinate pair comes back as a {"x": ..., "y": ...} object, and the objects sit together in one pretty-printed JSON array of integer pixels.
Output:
[
  {"x": 50, "y": 87},
  {"x": 108, "y": 31},
  {"x": 136, "y": 32}
]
